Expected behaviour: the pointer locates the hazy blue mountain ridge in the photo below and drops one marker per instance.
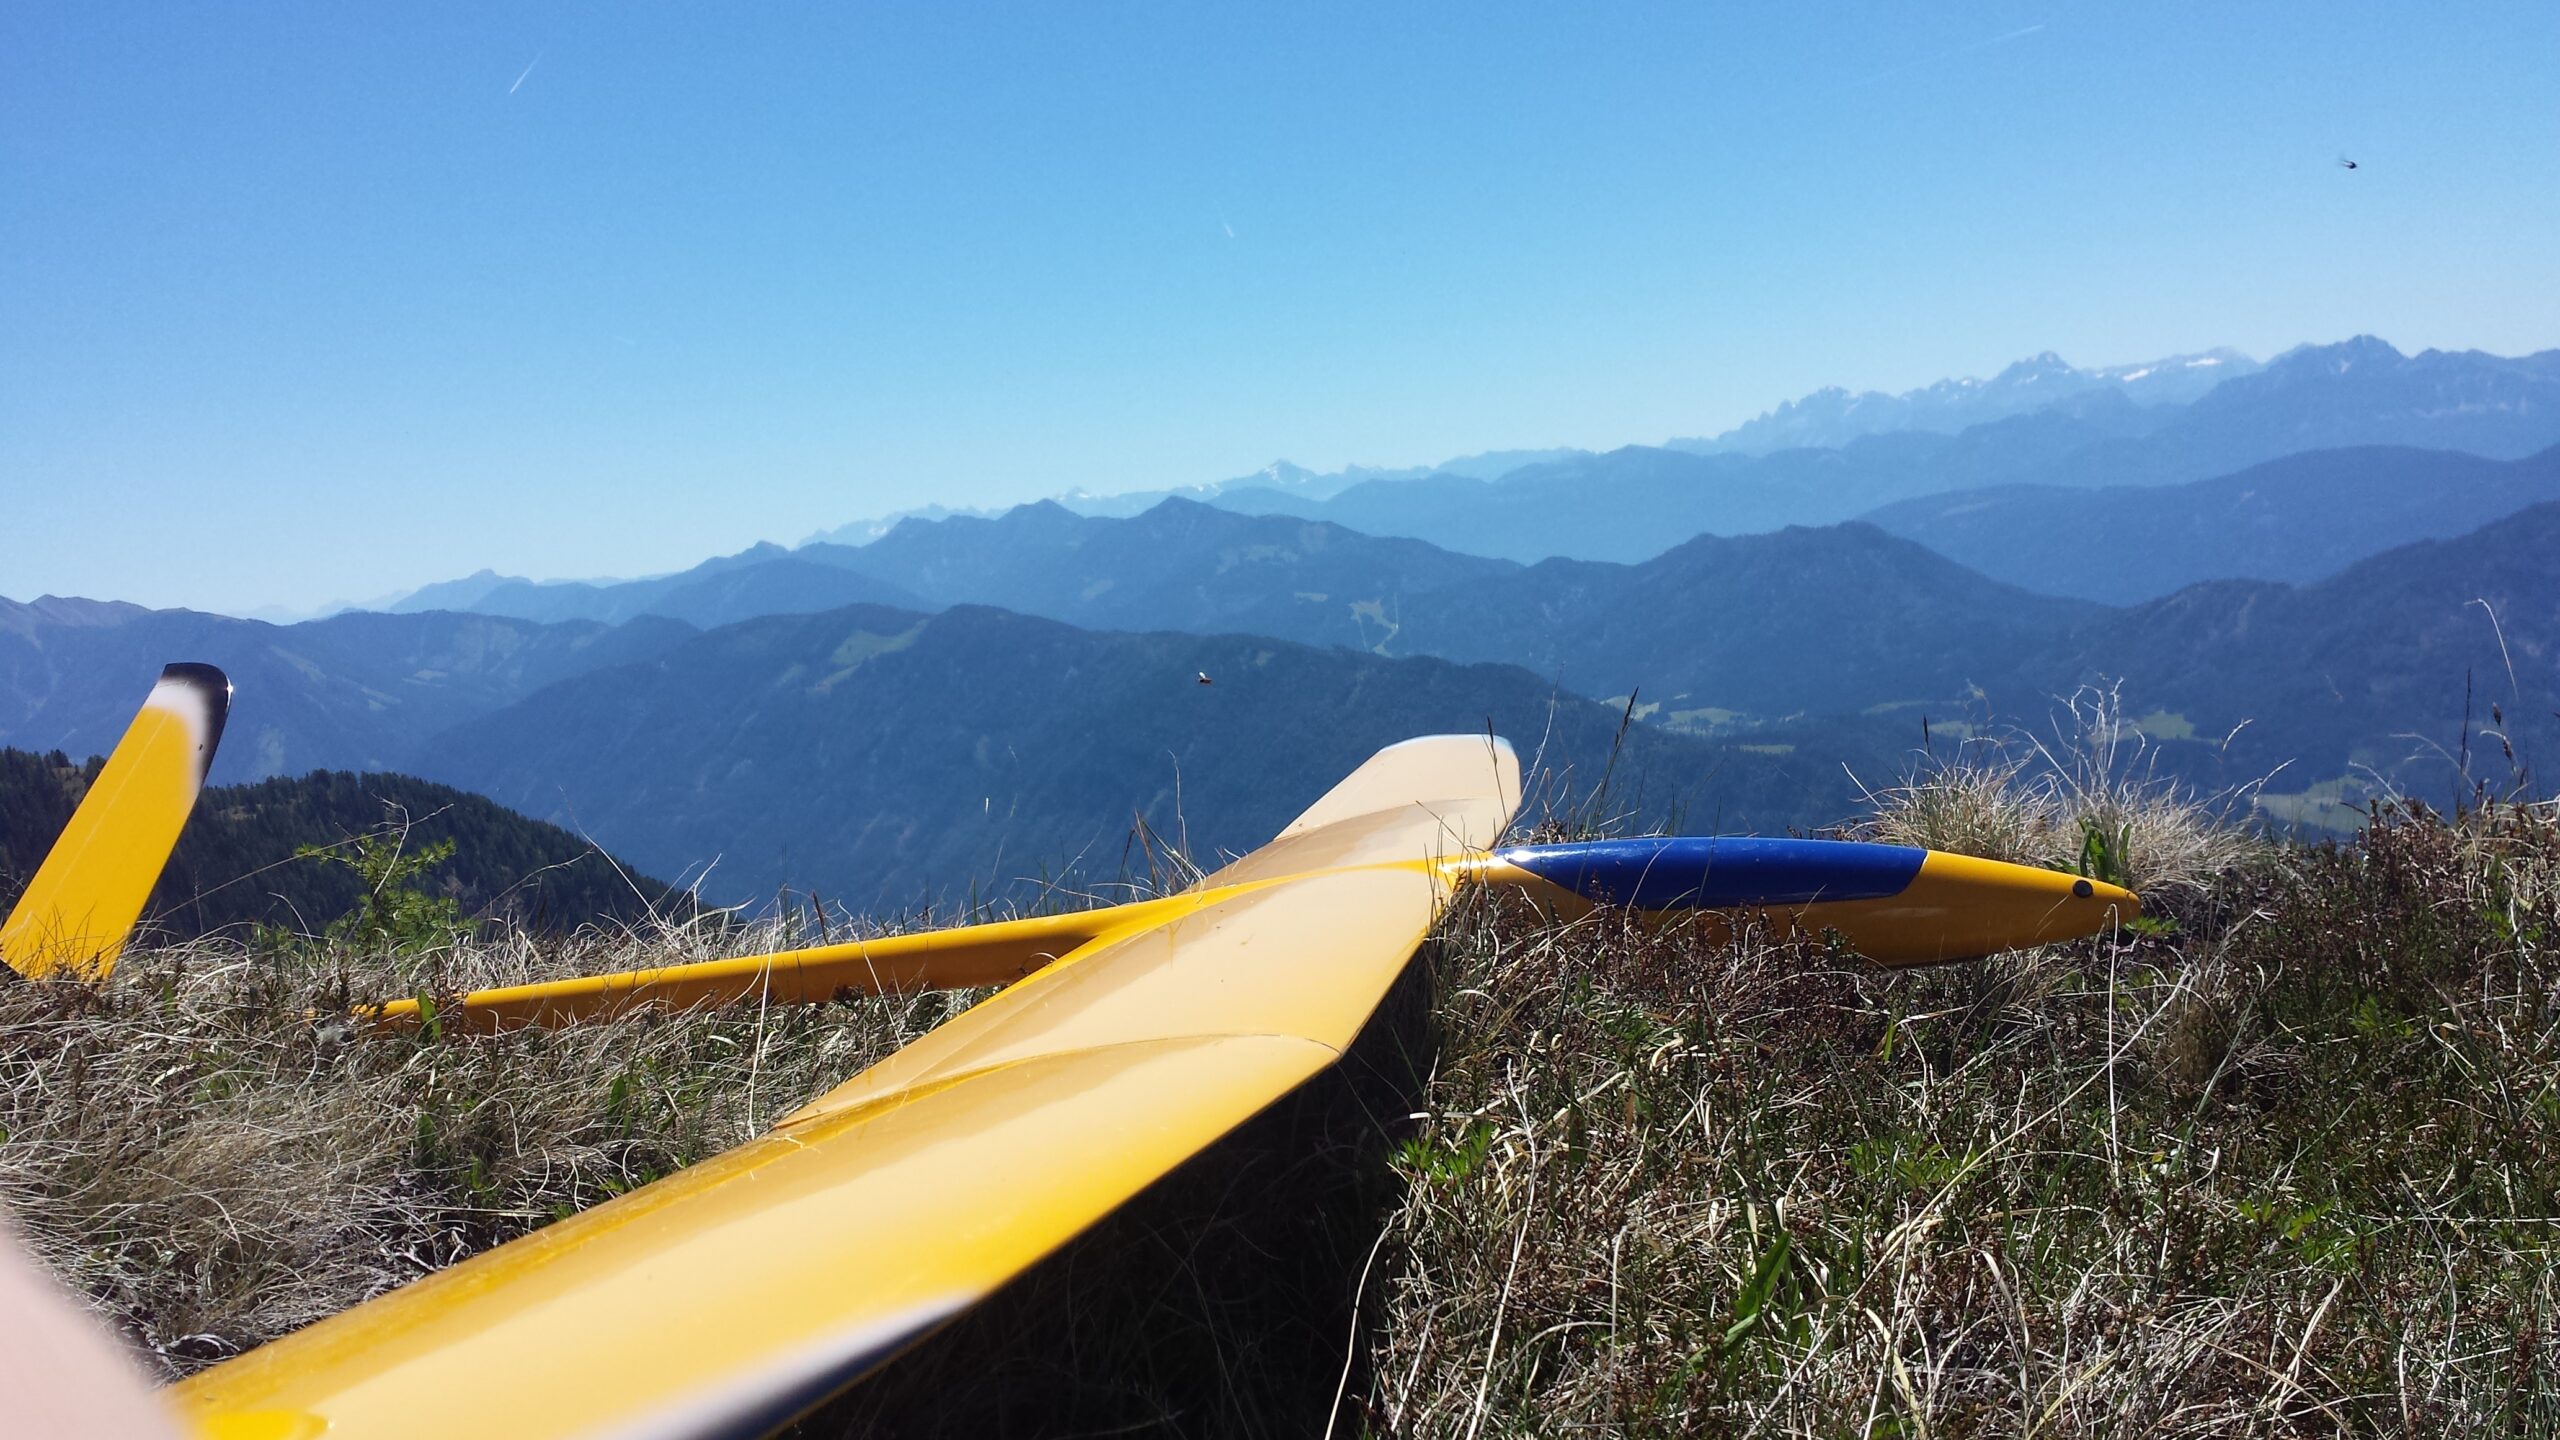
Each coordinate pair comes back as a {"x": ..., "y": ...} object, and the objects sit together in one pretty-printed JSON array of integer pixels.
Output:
[
  {"x": 762, "y": 580},
  {"x": 463, "y": 594},
  {"x": 1826, "y": 419},
  {"x": 886, "y": 759},
  {"x": 876, "y": 754},
  {"x": 2041, "y": 422},
  {"x": 1833, "y": 417},
  {"x": 1280, "y": 477},
  {"x": 1822, "y": 620},
  {"x": 2323, "y": 397},
  {"x": 2365, "y": 675},
  {"x": 2296, "y": 519},
  {"x": 845, "y": 750},
  {"x": 352, "y": 692},
  {"x": 755, "y": 691},
  {"x": 1179, "y": 566},
  {"x": 1630, "y": 504},
  {"x": 1768, "y": 624}
]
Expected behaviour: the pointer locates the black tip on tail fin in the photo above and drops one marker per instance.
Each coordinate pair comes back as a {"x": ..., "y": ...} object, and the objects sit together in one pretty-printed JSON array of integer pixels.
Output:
[{"x": 213, "y": 689}]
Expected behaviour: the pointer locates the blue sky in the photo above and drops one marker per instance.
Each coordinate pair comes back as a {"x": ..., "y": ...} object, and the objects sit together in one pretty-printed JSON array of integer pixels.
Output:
[{"x": 312, "y": 302}]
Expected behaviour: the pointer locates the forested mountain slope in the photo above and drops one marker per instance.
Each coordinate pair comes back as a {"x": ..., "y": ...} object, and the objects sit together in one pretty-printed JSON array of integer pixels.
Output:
[
  {"x": 885, "y": 759},
  {"x": 236, "y": 863}
]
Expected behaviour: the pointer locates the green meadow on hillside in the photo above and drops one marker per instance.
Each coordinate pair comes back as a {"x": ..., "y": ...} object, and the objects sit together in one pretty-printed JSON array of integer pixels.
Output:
[{"x": 2284, "y": 1157}]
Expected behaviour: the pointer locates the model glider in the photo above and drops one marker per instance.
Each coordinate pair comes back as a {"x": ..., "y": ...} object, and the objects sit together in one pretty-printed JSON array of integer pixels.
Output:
[{"x": 736, "y": 1294}]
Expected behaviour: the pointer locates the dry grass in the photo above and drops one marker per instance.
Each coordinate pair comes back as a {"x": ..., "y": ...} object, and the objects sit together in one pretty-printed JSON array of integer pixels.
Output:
[
  {"x": 2289, "y": 1165},
  {"x": 188, "y": 1150},
  {"x": 2286, "y": 1161},
  {"x": 2091, "y": 800}
]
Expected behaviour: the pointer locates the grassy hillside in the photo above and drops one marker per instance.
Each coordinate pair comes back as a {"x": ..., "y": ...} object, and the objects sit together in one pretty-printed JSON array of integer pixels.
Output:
[
  {"x": 2281, "y": 1161},
  {"x": 237, "y": 866}
]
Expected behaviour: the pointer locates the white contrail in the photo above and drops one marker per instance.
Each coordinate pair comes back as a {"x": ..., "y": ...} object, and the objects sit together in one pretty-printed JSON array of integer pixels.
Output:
[
  {"x": 528, "y": 71},
  {"x": 2001, "y": 39},
  {"x": 1950, "y": 54}
]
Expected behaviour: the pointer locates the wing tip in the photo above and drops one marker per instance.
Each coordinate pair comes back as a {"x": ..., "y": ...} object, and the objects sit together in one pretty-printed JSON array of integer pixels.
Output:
[{"x": 1423, "y": 769}]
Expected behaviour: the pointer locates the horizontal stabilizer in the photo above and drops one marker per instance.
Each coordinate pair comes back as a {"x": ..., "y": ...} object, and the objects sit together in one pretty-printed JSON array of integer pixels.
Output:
[{"x": 1894, "y": 904}]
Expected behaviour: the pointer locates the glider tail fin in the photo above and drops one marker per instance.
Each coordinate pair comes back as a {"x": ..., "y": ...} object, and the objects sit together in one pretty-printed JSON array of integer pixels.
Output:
[{"x": 91, "y": 888}]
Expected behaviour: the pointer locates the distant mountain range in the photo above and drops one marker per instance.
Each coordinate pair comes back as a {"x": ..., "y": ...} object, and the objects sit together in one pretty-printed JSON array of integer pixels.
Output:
[
  {"x": 2298, "y": 518},
  {"x": 1631, "y": 504},
  {"x": 763, "y": 580},
  {"x": 1830, "y": 418},
  {"x": 841, "y": 750},
  {"x": 2381, "y": 676},
  {"x": 2235, "y": 559},
  {"x": 1828, "y": 457},
  {"x": 1280, "y": 476},
  {"x": 1179, "y": 566},
  {"x": 887, "y": 759},
  {"x": 1825, "y": 419},
  {"x": 353, "y": 692},
  {"x": 1722, "y": 632},
  {"x": 884, "y": 757},
  {"x": 1840, "y": 618},
  {"x": 1719, "y": 629}
]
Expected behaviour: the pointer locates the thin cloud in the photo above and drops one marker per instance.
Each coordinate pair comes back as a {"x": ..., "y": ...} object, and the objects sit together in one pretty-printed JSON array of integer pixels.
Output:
[
  {"x": 2004, "y": 39},
  {"x": 528, "y": 73},
  {"x": 1947, "y": 54}
]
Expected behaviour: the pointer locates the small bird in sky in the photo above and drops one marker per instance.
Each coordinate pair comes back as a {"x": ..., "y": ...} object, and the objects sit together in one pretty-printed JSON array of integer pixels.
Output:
[
  {"x": 1204, "y": 678},
  {"x": 2346, "y": 164}
]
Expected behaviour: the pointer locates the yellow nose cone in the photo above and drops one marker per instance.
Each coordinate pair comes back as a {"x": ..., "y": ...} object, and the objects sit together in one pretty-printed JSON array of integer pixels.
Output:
[{"x": 1959, "y": 907}]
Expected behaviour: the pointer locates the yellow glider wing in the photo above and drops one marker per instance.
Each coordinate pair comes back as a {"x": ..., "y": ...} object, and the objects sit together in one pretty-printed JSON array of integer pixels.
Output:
[
  {"x": 728, "y": 1298},
  {"x": 92, "y": 885}
]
